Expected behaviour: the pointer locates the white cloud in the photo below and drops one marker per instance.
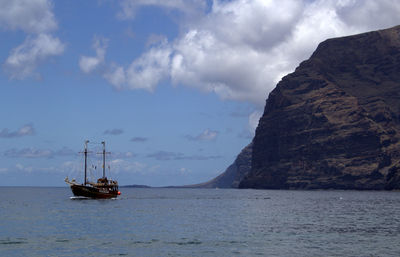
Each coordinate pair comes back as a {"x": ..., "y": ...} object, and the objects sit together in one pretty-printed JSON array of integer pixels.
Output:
[
  {"x": 116, "y": 76},
  {"x": 143, "y": 73},
  {"x": 90, "y": 63},
  {"x": 28, "y": 153},
  {"x": 147, "y": 71},
  {"x": 122, "y": 155},
  {"x": 26, "y": 130},
  {"x": 187, "y": 7},
  {"x": 206, "y": 135},
  {"x": 31, "y": 16},
  {"x": 24, "y": 59},
  {"x": 69, "y": 167},
  {"x": 231, "y": 71},
  {"x": 120, "y": 165},
  {"x": 254, "y": 119},
  {"x": 155, "y": 39},
  {"x": 23, "y": 168},
  {"x": 184, "y": 171},
  {"x": 240, "y": 49},
  {"x": 368, "y": 14},
  {"x": 34, "y": 17}
]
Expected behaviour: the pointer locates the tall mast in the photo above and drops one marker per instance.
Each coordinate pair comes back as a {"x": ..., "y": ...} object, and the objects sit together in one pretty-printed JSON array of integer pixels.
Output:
[
  {"x": 85, "y": 153},
  {"x": 104, "y": 159}
]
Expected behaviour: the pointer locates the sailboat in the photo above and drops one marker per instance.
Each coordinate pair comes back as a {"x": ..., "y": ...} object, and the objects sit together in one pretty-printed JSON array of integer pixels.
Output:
[{"x": 103, "y": 188}]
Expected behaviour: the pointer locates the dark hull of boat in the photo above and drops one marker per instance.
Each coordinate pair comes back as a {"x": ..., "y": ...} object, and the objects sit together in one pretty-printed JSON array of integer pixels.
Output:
[{"x": 92, "y": 192}]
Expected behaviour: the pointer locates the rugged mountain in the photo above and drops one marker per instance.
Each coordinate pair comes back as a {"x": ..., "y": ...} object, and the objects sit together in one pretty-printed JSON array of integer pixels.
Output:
[
  {"x": 335, "y": 121},
  {"x": 233, "y": 174}
]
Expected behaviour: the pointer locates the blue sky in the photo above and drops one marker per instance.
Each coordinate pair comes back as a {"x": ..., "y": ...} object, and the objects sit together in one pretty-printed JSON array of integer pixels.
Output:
[{"x": 175, "y": 88}]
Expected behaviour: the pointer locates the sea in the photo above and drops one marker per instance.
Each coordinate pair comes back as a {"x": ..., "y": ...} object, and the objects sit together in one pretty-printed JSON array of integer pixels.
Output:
[{"x": 48, "y": 221}]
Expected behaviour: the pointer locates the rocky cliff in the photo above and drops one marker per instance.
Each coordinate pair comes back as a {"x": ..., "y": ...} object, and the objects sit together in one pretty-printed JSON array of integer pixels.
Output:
[
  {"x": 233, "y": 174},
  {"x": 334, "y": 122}
]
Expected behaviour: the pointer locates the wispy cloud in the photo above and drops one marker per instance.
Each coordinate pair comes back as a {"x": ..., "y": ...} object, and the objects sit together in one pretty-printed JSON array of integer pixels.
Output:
[
  {"x": 123, "y": 155},
  {"x": 184, "y": 171},
  {"x": 38, "y": 153},
  {"x": 206, "y": 135},
  {"x": 3, "y": 170},
  {"x": 121, "y": 165},
  {"x": 21, "y": 167},
  {"x": 26, "y": 130},
  {"x": 168, "y": 156},
  {"x": 246, "y": 134},
  {"x": 65, "y": 167},
  {"x": 114, "y": 132},
  {"x": 139, "y": 139},
  {"x": 65, "y": 151},
  {"x": 155, "y": 39},
  {"x": 28, "y": 153}
]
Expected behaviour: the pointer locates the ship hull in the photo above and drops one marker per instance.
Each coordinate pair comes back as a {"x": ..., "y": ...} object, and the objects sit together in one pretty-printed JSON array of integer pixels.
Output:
[{"x": 93, "y": 192}]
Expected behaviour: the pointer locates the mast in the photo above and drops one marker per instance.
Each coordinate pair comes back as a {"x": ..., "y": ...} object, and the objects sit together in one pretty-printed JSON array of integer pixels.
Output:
[
  {"x": 104, "y": 159},
  {"x": 85, "y": 153}
]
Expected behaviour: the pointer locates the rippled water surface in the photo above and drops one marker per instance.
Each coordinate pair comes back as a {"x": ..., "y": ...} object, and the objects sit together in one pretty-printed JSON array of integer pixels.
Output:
[{"x": 199, "y": 222}]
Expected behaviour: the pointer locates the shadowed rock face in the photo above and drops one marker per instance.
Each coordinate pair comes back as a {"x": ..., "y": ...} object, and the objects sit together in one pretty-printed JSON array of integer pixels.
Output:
[{"x": 334, "y": 122}]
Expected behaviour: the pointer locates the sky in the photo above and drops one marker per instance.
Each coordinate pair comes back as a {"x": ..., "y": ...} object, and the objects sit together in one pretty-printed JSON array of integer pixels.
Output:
[{"x": 175, "y": 88}]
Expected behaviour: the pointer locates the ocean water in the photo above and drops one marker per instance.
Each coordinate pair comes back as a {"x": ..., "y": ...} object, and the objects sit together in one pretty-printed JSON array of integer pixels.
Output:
[{"x": 199, "y": 222}]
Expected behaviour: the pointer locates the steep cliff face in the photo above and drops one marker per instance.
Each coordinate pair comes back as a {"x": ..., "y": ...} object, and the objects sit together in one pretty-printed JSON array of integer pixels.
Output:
[
  {"x": 335, "y": 121},
  {"x": 233, "y": 174}
]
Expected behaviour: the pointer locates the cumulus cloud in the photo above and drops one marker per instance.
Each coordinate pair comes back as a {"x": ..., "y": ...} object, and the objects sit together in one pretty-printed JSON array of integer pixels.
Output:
[
  {"x": 241, "y": 49},
  {"x": 36, "y": 19},
  {"x": 31, "y": 16},
  {"x": 113, "y": 132},
  {"x": 206, "y": 135},
  {"x": 90, "y": 63},
  {"x": 143, "y": 73},
  {"x": 369, "y": 14},
  {"x": 24, "y": 59},
  {"x": 26, "y": 130}
]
